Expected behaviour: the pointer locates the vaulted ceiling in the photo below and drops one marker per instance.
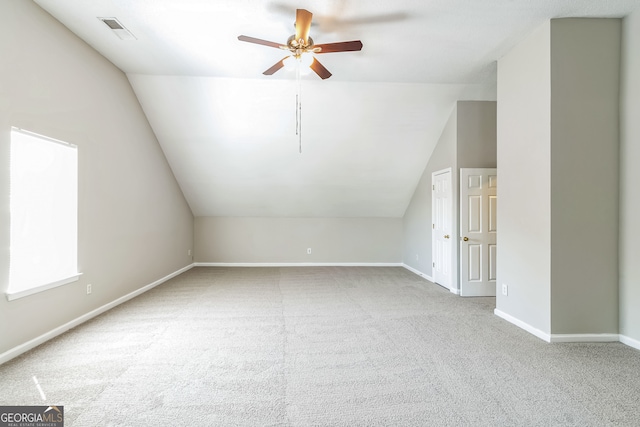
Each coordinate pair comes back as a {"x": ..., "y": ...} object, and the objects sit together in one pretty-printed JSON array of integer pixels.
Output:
[{"x": 366, "y": 133}]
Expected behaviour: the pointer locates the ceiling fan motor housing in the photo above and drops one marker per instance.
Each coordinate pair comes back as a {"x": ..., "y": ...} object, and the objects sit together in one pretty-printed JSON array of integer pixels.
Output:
[{"x": 294, "y": 44}]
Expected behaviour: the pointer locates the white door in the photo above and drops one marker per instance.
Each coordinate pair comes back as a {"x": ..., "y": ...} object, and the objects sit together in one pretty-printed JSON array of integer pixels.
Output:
[
  {"x": 441, "y": 202},
  {"x": 478, "y": 228}
]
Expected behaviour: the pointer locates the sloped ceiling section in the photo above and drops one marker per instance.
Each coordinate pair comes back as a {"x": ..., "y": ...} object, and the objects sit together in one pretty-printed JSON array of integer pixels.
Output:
[
  {"x": 367, "y": 132},
  {"x": 233, "y": 147}
]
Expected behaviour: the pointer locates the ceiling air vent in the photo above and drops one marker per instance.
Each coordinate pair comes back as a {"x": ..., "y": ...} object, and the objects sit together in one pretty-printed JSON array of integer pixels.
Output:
[{"x": 118, "y": 28}]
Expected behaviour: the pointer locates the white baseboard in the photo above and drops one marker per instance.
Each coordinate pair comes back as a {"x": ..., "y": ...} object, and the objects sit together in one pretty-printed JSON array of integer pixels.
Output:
[
  {"x": 418, "y": 272},
  {"x": 584, "y": 338},
  {"x": 522, "y": 325},
  {"x": 630, "y": 342},
  {"x": 23, "y": 348},
  {"x": 297, "y": 264},
  {"x": 429, "y": 278},
  {"x": 559, "y": 338}
]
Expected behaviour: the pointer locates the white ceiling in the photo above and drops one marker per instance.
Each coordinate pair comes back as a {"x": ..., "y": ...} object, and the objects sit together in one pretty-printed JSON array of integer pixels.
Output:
[{"x": 367, "y": 132}]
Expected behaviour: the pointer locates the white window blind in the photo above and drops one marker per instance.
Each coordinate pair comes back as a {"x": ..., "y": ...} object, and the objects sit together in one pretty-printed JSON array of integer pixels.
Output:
[{"x": 44, "y": 213}]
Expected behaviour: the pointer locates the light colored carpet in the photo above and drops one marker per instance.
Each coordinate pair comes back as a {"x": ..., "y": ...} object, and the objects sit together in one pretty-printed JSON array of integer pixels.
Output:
[{"x": 326, "y": 346}]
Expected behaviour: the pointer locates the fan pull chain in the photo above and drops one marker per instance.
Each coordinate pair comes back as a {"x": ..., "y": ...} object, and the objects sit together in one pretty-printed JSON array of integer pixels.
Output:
[
  {"x": 300, "y": 124},
  {"x": 299, "y": 109}
]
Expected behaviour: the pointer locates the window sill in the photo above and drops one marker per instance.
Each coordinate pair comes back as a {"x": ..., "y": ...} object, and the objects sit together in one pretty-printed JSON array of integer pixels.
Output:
[{"x": 25, "y": 293}]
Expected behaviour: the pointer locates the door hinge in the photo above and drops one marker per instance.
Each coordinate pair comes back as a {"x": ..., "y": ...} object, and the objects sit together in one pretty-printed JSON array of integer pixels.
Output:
[
  {"x": 433, "y": 187},
  {"x": 434, "y": 264},
  {"x": 433, "y": 226}
]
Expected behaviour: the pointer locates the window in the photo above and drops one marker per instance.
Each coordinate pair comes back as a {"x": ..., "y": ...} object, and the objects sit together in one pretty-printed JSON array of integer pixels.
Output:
[{"x": 44, "y": 213}]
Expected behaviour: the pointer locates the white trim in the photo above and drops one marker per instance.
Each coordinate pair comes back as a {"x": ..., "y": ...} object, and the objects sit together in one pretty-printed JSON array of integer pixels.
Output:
[
  {"x": 46, "y": 138},
  {"x": 429, "y": 278},
  {"x": 584, "y": 338},
  {"x": 297, "y": 264},
  {"x": 559, "y": 338},
  {"x": 519, "y": 323},
  {"x": 629, "y": 341},
  {"x": 418, "y": 272},
  {"x": 25, "y": 293},
  {"x": 23, "y": 348}
]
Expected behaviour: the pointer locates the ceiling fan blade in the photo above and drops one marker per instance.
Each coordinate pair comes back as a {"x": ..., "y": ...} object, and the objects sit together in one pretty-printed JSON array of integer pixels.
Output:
[
  {"x": 339, "y": 47},
  {"x": 275, "y": 67},
  {"x": 259, "y": 41},
  {"x": 319, "y": 69},
  {"x": 303, "y": 23}
]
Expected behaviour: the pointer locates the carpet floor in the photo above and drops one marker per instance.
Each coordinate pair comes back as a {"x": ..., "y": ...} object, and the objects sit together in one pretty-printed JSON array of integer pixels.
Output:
[{"x": 319, "y": 346}]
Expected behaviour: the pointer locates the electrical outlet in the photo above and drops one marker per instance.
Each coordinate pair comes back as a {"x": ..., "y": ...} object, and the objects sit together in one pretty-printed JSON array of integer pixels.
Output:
[
  {"x": 89, "y": 289},
  {"x": 505, "y": 289},
  {"x": 417, "y": 257},
  {"x": 308, "y": 251},
  {"x": 189, "y": 252}
]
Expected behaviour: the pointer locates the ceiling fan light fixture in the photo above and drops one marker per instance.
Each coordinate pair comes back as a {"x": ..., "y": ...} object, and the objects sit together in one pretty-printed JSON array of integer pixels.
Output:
[
  {"x": 302, "y": 61},
  {"x": 305, "y": 59}
]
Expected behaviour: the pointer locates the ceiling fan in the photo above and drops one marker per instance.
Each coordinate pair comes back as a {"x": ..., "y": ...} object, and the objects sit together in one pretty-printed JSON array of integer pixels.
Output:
[{"x": 300, "y": 46}]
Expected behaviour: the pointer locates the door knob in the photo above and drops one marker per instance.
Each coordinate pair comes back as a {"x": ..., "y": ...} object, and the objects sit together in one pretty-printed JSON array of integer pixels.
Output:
[
  {"x": 466, "y": 239},
  {"x": 446, "y": 236}
]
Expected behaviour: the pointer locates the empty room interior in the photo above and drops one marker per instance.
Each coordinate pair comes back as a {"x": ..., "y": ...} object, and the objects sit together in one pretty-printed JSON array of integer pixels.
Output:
[{"x": 289, "y": 213}]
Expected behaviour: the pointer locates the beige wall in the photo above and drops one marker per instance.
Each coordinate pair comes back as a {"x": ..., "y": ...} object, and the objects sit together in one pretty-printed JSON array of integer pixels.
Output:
[
  {"x": 476, "y": 142},
  {"x": 558, "y": 167},
  {"x": 285, "y": 240},
  {"x": 134, "y": 224},
  {"x": 629, "y": 251},
  {"x": 524, "y": 170},
  {"x": 585, "y": 58}
]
